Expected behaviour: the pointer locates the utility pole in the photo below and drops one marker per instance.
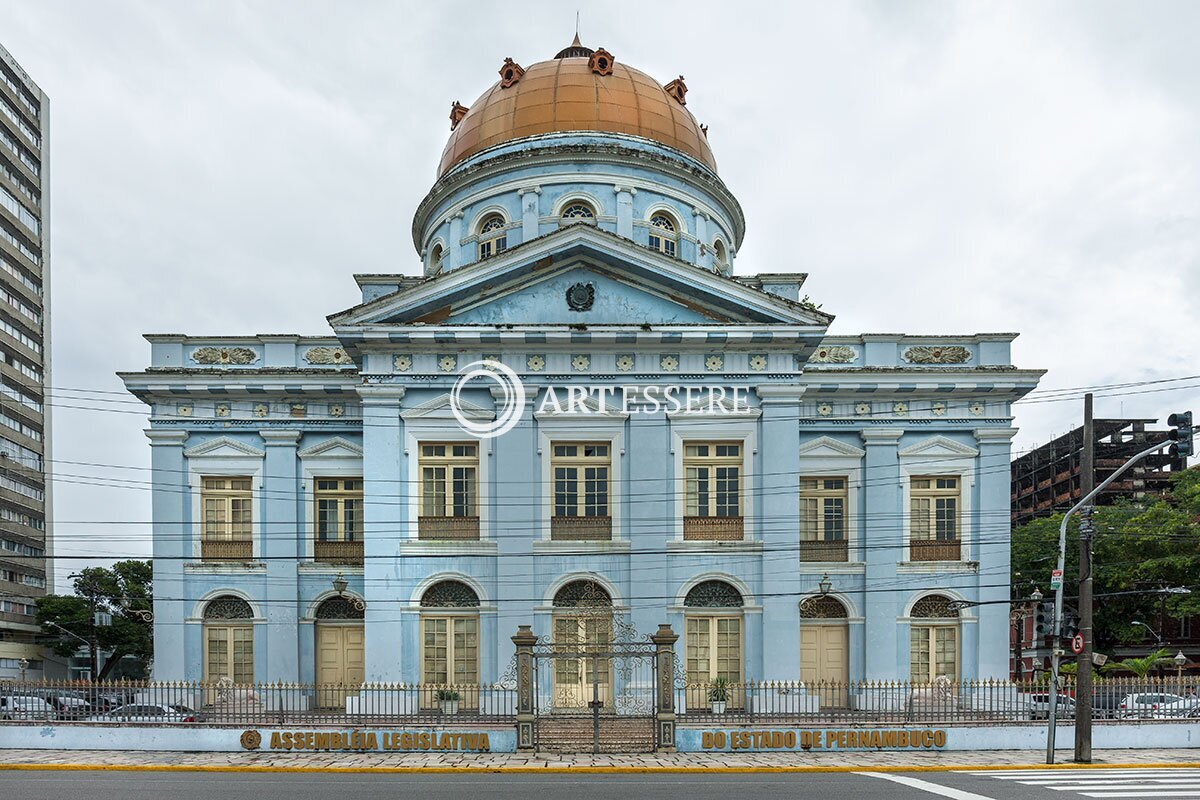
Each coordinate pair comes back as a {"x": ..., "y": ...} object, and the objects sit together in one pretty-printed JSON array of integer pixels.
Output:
[{"x": 1083, "y": 671}]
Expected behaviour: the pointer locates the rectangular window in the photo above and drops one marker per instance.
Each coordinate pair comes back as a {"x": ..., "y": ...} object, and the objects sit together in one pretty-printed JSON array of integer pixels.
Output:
[
  {"x": 229, "y": 652},
  {"x": 451, "y": 650},
  {"x": 226, "y": 504},
  {"x": 449, "y": 491},
  {"x": 934, "y": 518},
  {"x": 338, "y": 520},
  {"x": 823, "y": 519},
  {"x": 713, "y": 649},
  {"x": 933, "y": 653},
  {"x": 581, "y": 473},
  {"x": 712, "y": 506}
]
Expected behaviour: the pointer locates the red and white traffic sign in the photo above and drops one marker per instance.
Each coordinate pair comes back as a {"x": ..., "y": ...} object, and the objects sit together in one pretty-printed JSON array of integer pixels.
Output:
[
  {"x": 1056, "y": 580},
  {"x": 1077, "y": 643}
]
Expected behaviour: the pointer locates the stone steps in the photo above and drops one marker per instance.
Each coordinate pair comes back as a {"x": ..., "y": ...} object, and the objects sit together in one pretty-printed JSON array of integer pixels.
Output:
[{"x": 575, "y": 735}]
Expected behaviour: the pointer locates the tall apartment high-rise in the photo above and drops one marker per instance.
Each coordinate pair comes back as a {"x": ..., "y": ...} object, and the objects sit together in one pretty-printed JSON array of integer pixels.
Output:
[{"x": 25, "y": 542}]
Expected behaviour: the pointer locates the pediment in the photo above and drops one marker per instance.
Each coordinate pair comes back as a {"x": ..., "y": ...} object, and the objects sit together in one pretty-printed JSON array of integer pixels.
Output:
[
  {"x": 939, "y": 447},
  {"x": 528, "y": 284},
  {"x": 826, "y": 446},
  {"x": 224, "y": 447},
  {"x": 439, "y": 408},
  {"x": 336, "y": 447}
]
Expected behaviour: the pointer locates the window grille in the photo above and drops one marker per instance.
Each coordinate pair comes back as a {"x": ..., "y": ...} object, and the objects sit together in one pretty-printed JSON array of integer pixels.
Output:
[
  {"x": 228, "y": 607},
  {"x": 713, "y": 594},
  {"x": 449, "y": 594}
]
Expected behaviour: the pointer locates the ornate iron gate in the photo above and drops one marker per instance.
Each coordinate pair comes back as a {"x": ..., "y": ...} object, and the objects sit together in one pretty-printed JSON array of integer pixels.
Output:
[{"x": 594, "y": 684}]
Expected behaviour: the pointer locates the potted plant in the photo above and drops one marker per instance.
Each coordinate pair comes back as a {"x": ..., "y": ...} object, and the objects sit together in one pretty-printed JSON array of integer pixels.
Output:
[
  {"x": 448, "y": 700},
  {"x": 718, "y": 695}
]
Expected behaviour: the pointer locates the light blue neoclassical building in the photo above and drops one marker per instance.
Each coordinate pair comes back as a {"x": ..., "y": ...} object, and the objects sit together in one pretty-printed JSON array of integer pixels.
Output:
[{"x": 814, "y": 519}]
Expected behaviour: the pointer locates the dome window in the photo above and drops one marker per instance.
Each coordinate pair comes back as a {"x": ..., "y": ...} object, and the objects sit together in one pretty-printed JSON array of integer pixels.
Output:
[
  {"x": 663, "y": 236},
  {"x": 436, "y": 256},
  {"x": 678, "y": 89},
  {"x": 510, "y": 73},
  {"x": 493, "y": 236},
  {"x": 457, "y": 112},
  {"x": 720, "y": 257},
  {"x": 578, "y": 212},
  {"x": 601, "y": 62}
]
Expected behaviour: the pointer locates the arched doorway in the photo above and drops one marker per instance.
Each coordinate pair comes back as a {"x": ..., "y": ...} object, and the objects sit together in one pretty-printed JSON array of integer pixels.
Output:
[
  {"x": 713, "y": 643},
  {"x": 339, "y": 651},
  {"x": 450, "y": 645},
  {"x": 582, "y": 634},
  {"x": 824, "y": 649},
  {"x": 228, "y": 640},
  {"x": 933, "y": 639}
]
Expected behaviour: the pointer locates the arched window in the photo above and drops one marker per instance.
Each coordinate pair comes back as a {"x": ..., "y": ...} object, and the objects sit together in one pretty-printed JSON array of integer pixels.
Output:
[
  {"x": 436, "y": 256},
  {"x": 493, "y": 236},
  {"x": 449, "y": 634},
  {"x": 578, "y": 211},
  {"x": 338, "y": 608},
  {"x": 822, "y": 608},
  {"x": 713, "y": 636},
  {"x": 582, "y": 622},
  {"x": 664, "y": 236},
  {"x": 720, "y": 257},
  {"x": 933, "y": 639},
  {"x": 228, "y": 640}
]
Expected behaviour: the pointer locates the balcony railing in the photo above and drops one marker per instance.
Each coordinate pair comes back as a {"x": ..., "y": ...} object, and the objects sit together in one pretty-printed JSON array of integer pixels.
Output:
[
  {"x": 836, "y": 550},
  {"x": 713, "y": 529},
  {"x": 581, "y": 529},
  {"x": 448, "y": 528},
  {"x": 348, "y": 553},
  {"x": 226, "y": 550},
  {"x": 935, "y": 550}
]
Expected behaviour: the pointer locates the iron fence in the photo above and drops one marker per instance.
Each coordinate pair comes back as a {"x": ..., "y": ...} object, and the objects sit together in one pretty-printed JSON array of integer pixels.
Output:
[
  {"x": 942, "y": 702},
  {"x": 191, "y": 702}
]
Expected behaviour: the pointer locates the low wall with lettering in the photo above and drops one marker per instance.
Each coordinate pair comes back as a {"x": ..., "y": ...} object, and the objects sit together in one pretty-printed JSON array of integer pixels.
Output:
[
  {"x": 766, "y": 738},
  {"x": 198, "y": 738}
]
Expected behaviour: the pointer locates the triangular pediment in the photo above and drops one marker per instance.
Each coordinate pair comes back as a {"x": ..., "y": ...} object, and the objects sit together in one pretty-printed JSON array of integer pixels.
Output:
[
  {"x": 631, "y": 284},
  {"x": 440, "y": 408},
  {"x": 828, "y": 446},
  {"x": 335, "y": 447},
  {"x": 224, "y": 447},
  {"x": 939, "y": 447}
]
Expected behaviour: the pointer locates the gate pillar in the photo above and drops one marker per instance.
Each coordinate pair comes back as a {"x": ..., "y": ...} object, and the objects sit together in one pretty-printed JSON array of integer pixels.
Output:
[
  {"x": 524, "y": 640},
  {"x": 664, "y": 653}
]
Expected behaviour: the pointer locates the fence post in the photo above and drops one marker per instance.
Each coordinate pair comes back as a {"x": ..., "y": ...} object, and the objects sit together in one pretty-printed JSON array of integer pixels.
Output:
[
  {"x": 664, "y": 652},
  {"x": 524, "y": 640}
]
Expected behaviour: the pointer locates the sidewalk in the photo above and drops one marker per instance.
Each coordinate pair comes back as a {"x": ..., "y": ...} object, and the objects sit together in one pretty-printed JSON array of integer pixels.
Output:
[{"x": 509, "y": 762}]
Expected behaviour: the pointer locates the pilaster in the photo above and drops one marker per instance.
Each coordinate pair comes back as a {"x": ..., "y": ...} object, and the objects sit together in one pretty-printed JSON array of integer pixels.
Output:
[
  {"x": 882, "y": 538},
  {"x": 779, "y": 530},
  {"x": 625, "y": 210},
  {"x": 280, "y": 547},
  {"x": 170, "y": 500},
  {"x": 992, "y": 549},
  {"x": 530, "y": 197}
]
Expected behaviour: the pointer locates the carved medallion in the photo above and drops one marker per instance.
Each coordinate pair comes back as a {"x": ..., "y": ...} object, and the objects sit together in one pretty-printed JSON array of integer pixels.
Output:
[
  {"x": 862, "y": 409},
  {"x": 824, "y": 409},
  {"x": 669, "y": 363},
  {"x": 327, "y": 355},
  {"x": 447, "y": 363},
  {"x": 223, "y": 409},
  {"x": 580, "y": 363},
  {"x": 758, "y": 362},
  {"x": 336, "y": 409},
  {"x": 899, "y": 409},
  {"x": 536, "y": 363},
  {"x": 239, "y": 356},
  {"x": 714, "y": 363},
  {"x": 834, "y": 354},
  {"x": 402, "y": 363},
  {"x": 625, "y": 362},
  {"x": 581, "y": 296},
  {"x": 977, "y": 408},
  {"x": 948, "y": 354},
  {"x": 261, "y": 409},
  {"x": 939, "y": 409},
  {"x": 251, "y": 740}
]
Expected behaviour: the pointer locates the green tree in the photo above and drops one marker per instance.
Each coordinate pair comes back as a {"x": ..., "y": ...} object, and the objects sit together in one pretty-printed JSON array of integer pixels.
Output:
[
  {"x": 1140, "y": 548},
  {"x": 122, "y": 591},
  {"x": 1141, "y": 666}
]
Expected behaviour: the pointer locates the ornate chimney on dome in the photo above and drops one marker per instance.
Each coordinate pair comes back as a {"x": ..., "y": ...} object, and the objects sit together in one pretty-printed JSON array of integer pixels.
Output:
[{"x": 678, "y": 89}]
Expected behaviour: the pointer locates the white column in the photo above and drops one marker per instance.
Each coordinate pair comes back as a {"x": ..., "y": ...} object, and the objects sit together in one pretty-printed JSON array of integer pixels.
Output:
[{"x": 530, "y": 212}]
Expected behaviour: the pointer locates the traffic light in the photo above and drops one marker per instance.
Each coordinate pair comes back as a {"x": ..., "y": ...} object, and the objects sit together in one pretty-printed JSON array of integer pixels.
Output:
[
  {"x": 1180, "y": 434},
  {"x": 1070, "y": 626},
  {"x": 1043, "y": 621}
]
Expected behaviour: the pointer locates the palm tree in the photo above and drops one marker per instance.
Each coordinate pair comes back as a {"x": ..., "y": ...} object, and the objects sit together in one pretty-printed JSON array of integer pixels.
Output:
[{"x": 1141, "y": 666}]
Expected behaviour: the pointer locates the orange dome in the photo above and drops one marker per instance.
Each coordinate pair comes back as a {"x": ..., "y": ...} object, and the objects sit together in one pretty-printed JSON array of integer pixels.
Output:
[{"x": 565, "y": 94}]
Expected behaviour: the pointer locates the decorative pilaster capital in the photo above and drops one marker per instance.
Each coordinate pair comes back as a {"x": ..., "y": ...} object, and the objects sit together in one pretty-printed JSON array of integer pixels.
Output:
[
  {"x": 994, "y": 435},
  {"x": 881, "y": 436},
  {"x": 160, "y": 438},
  {"x": 274, "y": 437},
  {"x": 529, "y": 190},
  {"x": 381, "y": 395}
]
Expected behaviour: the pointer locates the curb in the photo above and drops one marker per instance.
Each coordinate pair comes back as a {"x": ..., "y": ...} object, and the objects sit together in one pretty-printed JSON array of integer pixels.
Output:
[{"x": 583, "y": 770}]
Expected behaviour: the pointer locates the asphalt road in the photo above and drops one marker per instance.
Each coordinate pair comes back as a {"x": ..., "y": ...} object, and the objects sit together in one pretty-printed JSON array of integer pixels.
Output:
[{"x": 1003, "y": 785}]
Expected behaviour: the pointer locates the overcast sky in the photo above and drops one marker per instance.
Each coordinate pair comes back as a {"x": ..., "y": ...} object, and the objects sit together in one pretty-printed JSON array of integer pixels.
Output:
[{"x": 224, "y": 168}]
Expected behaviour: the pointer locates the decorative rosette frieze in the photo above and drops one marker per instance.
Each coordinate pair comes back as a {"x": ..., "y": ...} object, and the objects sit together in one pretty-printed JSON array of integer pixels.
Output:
[{"x": 937, "y": 354}]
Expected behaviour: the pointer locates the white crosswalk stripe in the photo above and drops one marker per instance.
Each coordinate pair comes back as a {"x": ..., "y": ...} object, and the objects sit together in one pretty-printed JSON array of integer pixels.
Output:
[{"x": 1108, "y": 783}]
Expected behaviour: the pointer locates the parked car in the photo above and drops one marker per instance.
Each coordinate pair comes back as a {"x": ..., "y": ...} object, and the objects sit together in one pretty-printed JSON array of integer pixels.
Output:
[
  {"x": 147, "y": 712},
  {"x": 1156, "y": 705},
  {"x": 1039, "y": 706},
  {"x": 25, "y": 706}
]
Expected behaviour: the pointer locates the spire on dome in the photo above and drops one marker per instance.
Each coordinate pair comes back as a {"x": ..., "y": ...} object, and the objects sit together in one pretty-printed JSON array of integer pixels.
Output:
[{"x": 575, "y": 49}]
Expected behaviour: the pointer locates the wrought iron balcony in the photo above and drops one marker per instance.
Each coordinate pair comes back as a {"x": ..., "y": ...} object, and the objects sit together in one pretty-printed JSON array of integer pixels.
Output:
[
  {"x": 226, "y": 550},
  {"x": 935, "y": 550},
  {"x": 825, "y": 550},
  {"x": 448, "y": 528},
  {"x": 577, "y": 529},
  {"x": 713, "y": 529},
  {"x": 348, "y": 553}
]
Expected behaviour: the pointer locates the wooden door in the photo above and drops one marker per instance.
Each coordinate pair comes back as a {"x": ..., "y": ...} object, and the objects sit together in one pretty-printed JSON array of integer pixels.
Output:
[
  {"x": 339, "y": 663},
  {"x": 824, "y": 661}
]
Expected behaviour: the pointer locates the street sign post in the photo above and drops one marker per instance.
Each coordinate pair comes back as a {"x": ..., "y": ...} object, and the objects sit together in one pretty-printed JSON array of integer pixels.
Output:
[
  {"x": 1077, "y": 643},
  {"x": 1056, "y": 580}
]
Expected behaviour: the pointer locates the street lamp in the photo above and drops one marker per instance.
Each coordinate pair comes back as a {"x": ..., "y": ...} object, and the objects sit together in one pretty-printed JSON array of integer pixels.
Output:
[
  {"x": 1036, "y": 596},
  {"x": 1153, "y": 633},
  {"x": 822, "y": 591},
  {"x": 339, "y": 585},
  {"x": 23, "y": 665},
  {"x": 1180, "y": 659}
]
